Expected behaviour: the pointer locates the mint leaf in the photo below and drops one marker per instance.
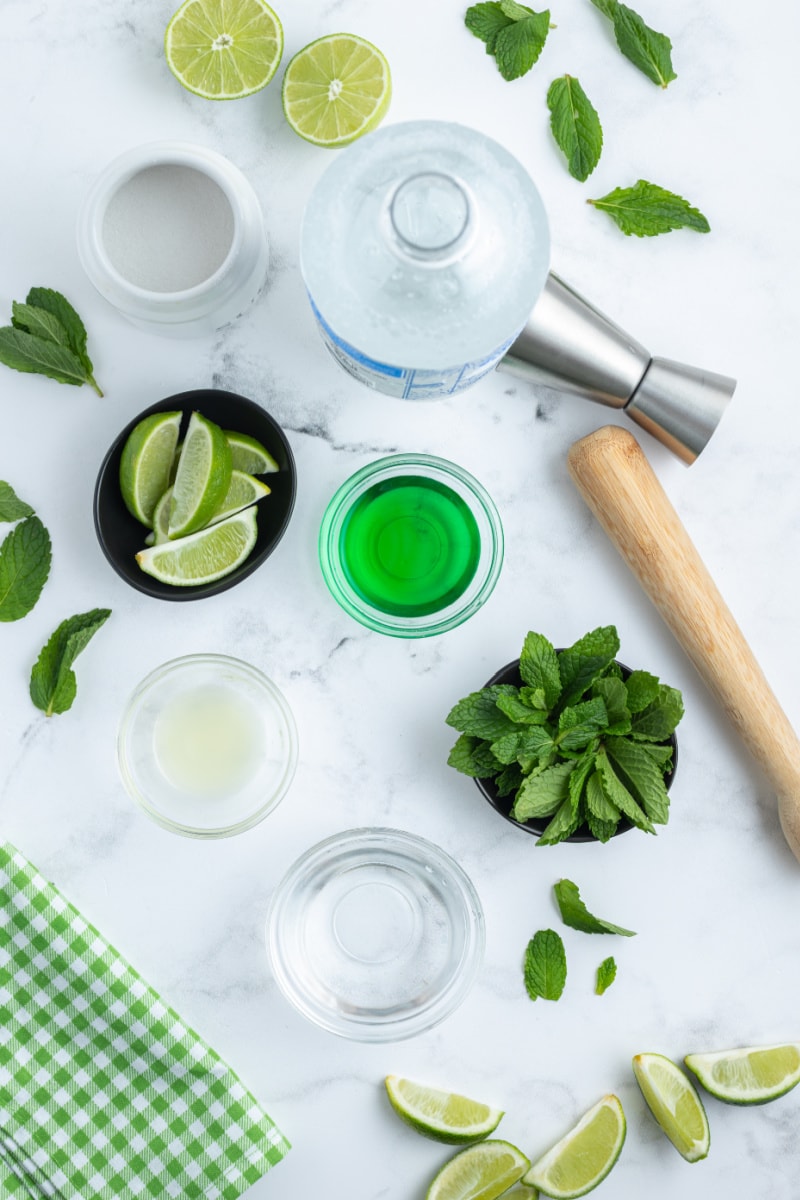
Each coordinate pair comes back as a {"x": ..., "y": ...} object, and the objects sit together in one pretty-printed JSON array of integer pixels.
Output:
[
  {"x": 527, "y": 743},
  {"x": 50, "y": 301},
  {"x": 11, "y": 507},
  {"x": 584, "y": 662},
  {"x": 518, "y": 46},
  {"x": 575, "y": 913},
  {"x": 642, "y": 689},
  {"x": 538, "y": 666},
  {"x": 616, "y": 792},
  {"x": 541, "y": 795},
  {"x": 648, "y": 50},
  {"x": 658, "y": 721},
  {"x": 38, "y": 322},
  {"x": 598, "y": 804},
  {"x": 486, "y": 21},
  {"x": 602, "y": 830},
  {"x": 23, "y": 352},
  {"x": 509, "y": 780},
  {"x": 607, "y": 7},
  {"x": 614, "y": 694},
  {"x": 646, "y": 210},
  {"x": 643, "y": 778},
  {"x": 575, "y": 125},
  {"x": 579, "y": 724},
  {"x": 479, "y": 715},
  {"x": 563, "y": 825},
  {"x": 545, "y": 968},
  {"x": 53, "y": 684},
  {"x": 472, "y": 756},
  {"x": 661, "y": 755},
  {"x": 518, "y": 710},
  {"x": 24, "y": 567},
  {"x": 606, "y": 974},
  {"x": 47, "y": 337}
]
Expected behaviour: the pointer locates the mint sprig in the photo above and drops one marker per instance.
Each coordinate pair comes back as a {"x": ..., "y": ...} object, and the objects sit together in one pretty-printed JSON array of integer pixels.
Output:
[
  {"x": 47, "y": 337},
  {"x": 24, "y": 567},
  {"x": 575, "y": 125},
  {"x": 576, "y": 745},
  {"x": 606, "y": 974},
  {"x": 646, "y": 210},
  {"x": 53, "y": 685},
  {"x": 545, "y": 967},
  {"x": 514, "y": 34},
  {"x": 575, "y": 913},
  {"x": 647, "y": 49}
]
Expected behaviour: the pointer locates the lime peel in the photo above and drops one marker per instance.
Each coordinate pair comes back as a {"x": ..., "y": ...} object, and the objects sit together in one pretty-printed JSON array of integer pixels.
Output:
[{"x": 443, "y": 1116}]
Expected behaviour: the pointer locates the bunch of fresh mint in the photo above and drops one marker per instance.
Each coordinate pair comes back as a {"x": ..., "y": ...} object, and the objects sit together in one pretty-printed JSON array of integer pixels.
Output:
[{"x": 578, "y": 742}]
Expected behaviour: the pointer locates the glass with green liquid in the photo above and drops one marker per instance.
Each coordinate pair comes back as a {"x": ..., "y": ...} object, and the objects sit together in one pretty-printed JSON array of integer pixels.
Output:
[{"x": 411, "y": 545}]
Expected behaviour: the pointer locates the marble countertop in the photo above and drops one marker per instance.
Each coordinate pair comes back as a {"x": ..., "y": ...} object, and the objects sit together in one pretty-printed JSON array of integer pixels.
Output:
[{"x": 714, "y": 897}]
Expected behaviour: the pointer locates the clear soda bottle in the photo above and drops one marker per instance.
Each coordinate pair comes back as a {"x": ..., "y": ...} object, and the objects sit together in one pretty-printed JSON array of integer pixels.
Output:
[{"x": 424, "y": 248}]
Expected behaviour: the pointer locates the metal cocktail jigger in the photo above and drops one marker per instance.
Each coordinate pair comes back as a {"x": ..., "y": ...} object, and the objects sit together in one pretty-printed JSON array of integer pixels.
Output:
[{"x": 569, "y": 345}]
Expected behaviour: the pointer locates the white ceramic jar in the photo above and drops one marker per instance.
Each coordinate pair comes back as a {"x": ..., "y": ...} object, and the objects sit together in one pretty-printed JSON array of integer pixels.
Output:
[{"x": 173, "y": 236}]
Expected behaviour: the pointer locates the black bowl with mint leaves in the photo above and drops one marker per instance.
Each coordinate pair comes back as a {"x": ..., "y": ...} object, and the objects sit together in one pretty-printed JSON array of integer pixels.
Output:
[{"x": 570, "y": 744}]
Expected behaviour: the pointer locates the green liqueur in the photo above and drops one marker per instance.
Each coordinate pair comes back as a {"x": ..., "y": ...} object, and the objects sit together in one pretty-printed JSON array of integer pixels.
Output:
[{"x": 410, "y": 546}]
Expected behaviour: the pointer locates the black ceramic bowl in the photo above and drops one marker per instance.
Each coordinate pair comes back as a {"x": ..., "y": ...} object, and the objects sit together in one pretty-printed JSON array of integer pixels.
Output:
[
  {"x": 537, "y": 825},
  {"x": 121, "y": 536}
]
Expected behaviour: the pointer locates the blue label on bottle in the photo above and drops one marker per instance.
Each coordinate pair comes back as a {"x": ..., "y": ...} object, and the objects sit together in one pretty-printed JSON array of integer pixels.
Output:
[{"x": 407, "y": 383}]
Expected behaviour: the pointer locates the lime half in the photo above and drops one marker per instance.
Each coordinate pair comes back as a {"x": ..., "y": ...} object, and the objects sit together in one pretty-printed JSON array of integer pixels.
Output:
[
  {"x": 247, "y": 454},
  {"x": 480, "y": 1172},
  {"x": 584, "y": 1157},
  {"x": 675, "y": 1104},
  {"x": 202, "y": 479},
  {"x": 752, "y": 1075},
  {"x": 224, "y": 49},
  {"x": 443, "y": 1116},
  {"x": 146, "y": 462},
  {"x": 205, "y": 556},
  {"x": 336, "y": 89}
]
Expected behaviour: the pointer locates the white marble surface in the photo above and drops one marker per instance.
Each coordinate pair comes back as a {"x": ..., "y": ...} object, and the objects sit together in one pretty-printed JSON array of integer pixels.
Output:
[{"x": 714, "y": 897}]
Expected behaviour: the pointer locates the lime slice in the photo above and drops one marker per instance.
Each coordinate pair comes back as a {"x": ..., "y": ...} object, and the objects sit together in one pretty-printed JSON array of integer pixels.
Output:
[
  {"x": 752, "y": 1075},
  {"x": 205, "y": 556},
  {"x": 336, "y": 89},
  {"x": 249, "y": 455},
  {"x": 202, "y": 478},
  {"x": 146, "y": 462},
  {"x": 443, "y": 1116},
  {"x": 161, "y": 521},
  {"x": 224, "y": 49},
  {"x": 480, "y": 1172},
  {"x": 243, "y": 490},
  {"x": 584, "y": 1157},
  {"x": 675, "y": 1104}
]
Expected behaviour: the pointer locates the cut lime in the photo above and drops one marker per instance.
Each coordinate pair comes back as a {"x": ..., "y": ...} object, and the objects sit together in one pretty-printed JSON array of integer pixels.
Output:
[
  {"x": 584, "y": 1157},
  {"x": 205, "y": 556},
  {"x": 249, "y": 455},
  {"x": 243, "y": 490},
  {"x": 443, "y": 1116},
  {"x": 224, "y": 49},
  {"x": 481, "y": 1172},
  {"x": 146, "y": 463},
  {"x": 161, "y": 520},
  {"x": 202, "y": 478},
  {"x": 752, "y": 1075},
  {"x": 336, "y": 89},
  {"x": 675, "y": 1104}
]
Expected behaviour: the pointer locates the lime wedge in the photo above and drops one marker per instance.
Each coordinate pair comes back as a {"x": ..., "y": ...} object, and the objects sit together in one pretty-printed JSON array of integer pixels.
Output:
[
  {"x": 752, "y": 1075},
  {"x": 443, "y": 1116},
  {"x": 249, "y": 455},
  {"x": 243, "y": 490},
  {"x": 224, "y": 49},
  {"x": 161, "y": 521},
  {"x": 480, "y": 1172},
  {"x": 205, "y": 556},
  {"x": 336, "y": 89},
  {"x": 146, "y": 463},
  {"x": 675, "y": 1104},
  {"x": 202, "y": 478},
  {"x": 584, "y": 1157}
]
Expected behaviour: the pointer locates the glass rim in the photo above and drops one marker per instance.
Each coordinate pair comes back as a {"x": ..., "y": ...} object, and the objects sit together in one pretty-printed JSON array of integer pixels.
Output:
[
  {"x": 482, "y": 508},
  {"x": 388, "y": 1027},
  {"x": 280, "y": 708}
]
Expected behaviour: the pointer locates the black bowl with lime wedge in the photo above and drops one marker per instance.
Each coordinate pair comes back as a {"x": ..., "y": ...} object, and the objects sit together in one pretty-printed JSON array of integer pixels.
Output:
[
  {"x": 503, "y": 805},
  {"x": 122, "y": 536}
]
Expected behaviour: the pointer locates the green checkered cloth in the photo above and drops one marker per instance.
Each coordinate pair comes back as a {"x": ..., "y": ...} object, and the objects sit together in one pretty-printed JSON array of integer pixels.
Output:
[{"x": 105, "y": 1094}]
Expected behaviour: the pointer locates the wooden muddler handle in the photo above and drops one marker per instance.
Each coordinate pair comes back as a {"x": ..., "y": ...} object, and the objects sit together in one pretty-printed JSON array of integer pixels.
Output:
[{"x": 617, "y": 482}]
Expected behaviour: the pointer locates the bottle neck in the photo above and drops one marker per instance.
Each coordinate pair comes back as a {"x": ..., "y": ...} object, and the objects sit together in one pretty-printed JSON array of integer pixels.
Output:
[{"x": 431, "y": 217}]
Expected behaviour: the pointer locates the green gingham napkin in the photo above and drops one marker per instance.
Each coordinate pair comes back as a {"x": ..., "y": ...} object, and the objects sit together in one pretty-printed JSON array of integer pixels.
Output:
[{"x": 105, "y": 1094}]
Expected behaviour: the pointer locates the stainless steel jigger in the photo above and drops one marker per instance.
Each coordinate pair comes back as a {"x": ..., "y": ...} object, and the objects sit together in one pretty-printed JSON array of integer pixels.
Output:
[{"x": 571, "y": 346}]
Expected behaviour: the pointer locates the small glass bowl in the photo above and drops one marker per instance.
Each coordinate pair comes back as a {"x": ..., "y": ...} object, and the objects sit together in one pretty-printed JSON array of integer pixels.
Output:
[
  {"x": 375, "y": 935},
  {"x": 207, "y": 746},
  {"x": 449, "y": 477}
]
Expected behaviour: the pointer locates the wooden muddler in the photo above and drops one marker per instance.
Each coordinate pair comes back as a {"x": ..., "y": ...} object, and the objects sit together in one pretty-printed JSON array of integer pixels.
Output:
[{"x": 617, "y": 482}]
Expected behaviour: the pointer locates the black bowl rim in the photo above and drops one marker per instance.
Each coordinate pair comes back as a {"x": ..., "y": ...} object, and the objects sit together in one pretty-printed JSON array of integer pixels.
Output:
[
  {"x": 188, "y": 401},
  {"x": 502, "y": 805}
]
